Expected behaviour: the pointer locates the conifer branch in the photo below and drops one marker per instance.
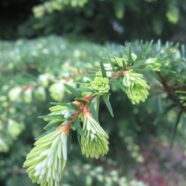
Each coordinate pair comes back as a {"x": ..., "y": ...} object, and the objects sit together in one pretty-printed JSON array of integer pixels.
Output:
[{"x": 81, "y": 115}]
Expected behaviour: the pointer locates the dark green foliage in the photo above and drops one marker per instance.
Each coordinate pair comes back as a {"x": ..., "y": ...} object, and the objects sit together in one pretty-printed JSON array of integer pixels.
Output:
[
  {"x": 96, "y": 19},
  {"x": 121, "y": 19}
]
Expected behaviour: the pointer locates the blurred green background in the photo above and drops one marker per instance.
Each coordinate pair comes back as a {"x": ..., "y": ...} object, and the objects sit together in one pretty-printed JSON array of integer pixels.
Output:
[{"x": 42, "y": 42}]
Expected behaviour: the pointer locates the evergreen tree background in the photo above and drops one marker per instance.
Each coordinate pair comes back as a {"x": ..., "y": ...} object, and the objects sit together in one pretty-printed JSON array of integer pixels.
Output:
[{"x": 43, "y": 43}]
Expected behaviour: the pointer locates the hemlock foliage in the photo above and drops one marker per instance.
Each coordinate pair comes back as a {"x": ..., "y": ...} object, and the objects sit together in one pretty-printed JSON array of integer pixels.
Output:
[{"x": 141, "y": 79}]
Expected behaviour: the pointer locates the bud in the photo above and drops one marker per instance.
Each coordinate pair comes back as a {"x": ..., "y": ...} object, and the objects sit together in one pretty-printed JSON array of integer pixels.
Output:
[
  {"x": 94, "y": 140},
  {"x": 40, "y": 93},
  {"x": 124, "y": 60},
  {"x": 45, "y": 79},
  {"x": 135, "y": 87},
  {"x": 27, "y": 95},
  {"x": 14, "y": 94},
  {"x": 100, "y": 85},
  {"x": 46, "y": 162},
  {"x": 57, "y": 90},
  {"x": 153, "y": 64}
]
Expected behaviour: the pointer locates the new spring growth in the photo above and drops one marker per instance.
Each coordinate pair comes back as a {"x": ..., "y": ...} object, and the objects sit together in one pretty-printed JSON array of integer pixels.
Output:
[
  {"x": 94, "y": 140},
  {"x": 153, "y": 64},
  {"x": 46, "y": 162},
  {"x": 100, "y": 85},
  {"x": 135, "y": 86}
]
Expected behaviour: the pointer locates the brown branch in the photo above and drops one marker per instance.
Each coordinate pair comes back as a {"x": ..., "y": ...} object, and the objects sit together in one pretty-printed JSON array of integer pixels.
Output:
[
  {"x": 82, "y": 109},
  {"x": 171, "y": 92}
]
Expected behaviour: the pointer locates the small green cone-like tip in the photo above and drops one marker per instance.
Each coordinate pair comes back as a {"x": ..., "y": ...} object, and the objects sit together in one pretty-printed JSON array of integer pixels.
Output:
[
  {"x": 94, "y": 140},
  {"x": 135, "y": 87},
  {"x": 46, "y": 161},
  {"x": 100, "y": 85}
]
